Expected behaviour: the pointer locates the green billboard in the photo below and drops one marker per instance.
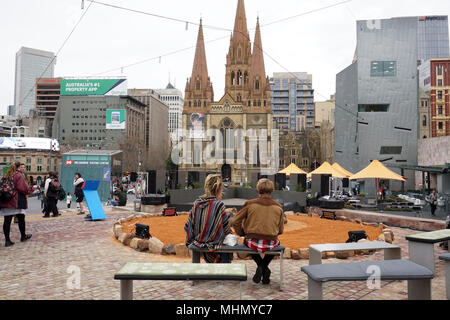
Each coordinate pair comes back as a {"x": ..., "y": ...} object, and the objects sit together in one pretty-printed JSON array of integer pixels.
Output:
[
  {"x": 93, "y": 87},
  {"x": 115, "y": 118}
]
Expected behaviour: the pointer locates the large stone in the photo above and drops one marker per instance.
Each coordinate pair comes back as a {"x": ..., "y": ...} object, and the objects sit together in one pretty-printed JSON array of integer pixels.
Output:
[
  {"x": 331, "y": 254},
  {"x": 382, "y": 226},
  {"x": 387, "y": 236},
  {"x": 345, "y": 254},
  {"x": 360, "y": 252},
  {"x": 381, "y": 237},
  {"x": 295, "y": 255},
  {"x": 287, "y": 253},
  {"x": 143, "y": 245},
  {"x": 243, "y": 255},
  {"x": 117, "y": 230},
  {"x": 304, "y": 253},
  {"x": 169, "y": 249},
  {"x": 342, "y": 218},
  {"x": 181, "y": 250},
  {"x": 289, "y": 213},
  {"x": 155, "y": 245},
  {"x": 125, "y": 238},
  {"x": 134, "y": 243},
  {"x": 391, "y": 233}
]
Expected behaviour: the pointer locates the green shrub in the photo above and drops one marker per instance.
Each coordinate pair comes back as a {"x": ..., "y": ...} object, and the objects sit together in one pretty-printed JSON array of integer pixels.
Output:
[
  {"x": 350, "y": 207},
  {"x": 361, "y": 195},
  {"x": 299, "y": 188},
  {"x": 247, "y": 185},
  {"x": 197, "y": 185}
]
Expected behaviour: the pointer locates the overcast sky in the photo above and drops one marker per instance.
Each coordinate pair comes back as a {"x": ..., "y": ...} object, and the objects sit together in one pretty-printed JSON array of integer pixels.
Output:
[{"x": 321, "y": 43}]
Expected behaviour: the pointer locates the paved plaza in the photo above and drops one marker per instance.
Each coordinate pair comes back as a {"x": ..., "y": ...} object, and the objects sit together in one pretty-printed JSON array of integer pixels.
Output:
[{"x": 46, "y": 267}]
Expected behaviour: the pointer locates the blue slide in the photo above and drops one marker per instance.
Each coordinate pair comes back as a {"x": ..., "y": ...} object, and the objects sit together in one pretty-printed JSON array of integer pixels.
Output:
[{"x": 93, "y": 200}]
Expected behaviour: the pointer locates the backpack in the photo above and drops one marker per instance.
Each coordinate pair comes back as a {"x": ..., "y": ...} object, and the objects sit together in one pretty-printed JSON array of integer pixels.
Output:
[
  {"x": 7, "y": 190},
  {"x": 62, "y": 194}
]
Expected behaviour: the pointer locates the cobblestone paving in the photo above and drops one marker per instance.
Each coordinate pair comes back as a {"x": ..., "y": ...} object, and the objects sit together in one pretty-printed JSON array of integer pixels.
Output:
[{"x": 42, "y": 267}]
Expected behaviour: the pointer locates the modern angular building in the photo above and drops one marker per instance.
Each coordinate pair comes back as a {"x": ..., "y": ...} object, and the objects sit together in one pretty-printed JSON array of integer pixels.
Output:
[
  {"x": 292, "y": 99},
  {"x": 31, "y": 64},
  {"x": 377, "y": 95}
]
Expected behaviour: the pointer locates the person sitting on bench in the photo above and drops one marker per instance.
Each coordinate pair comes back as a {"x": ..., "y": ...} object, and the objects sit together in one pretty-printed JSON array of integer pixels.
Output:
[
  {"x": 260, "y": 221},
  {"x": 208, "y": 223},
  {"x": 120, "y": 198}
]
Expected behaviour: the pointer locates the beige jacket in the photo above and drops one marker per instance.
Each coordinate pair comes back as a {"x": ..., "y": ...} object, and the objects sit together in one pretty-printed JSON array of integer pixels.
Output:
[{"x": 260, "y": 218}]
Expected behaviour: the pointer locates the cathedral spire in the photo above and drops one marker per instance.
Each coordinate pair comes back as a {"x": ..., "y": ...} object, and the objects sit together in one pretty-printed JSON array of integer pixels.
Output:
[
  {"x": 240, "y": 31},
  {"x": 200, "y": 68},
  {"x": 257, "y": 66}
]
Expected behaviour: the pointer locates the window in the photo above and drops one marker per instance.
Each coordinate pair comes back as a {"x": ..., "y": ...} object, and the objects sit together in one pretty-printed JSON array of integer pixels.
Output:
[
  {"x": 39, "y": 168},
  {"x": 28, "y": 160},
  {"x": 373, "y": 107},
  {"x": 439, "y": 95},
  {"x": 439, "y": 82},
  {"x": 39, "y": 160},
  {"x": 424, "y": 121},
  {"x": 439, "y": 109},
  {"x": 440, "y": 125},
  {"x": 28, "y": 168},
  {"x": 391, "y": 150},
  {"x": 383, "y": 69},
  {"x": 439, "y": 70}
]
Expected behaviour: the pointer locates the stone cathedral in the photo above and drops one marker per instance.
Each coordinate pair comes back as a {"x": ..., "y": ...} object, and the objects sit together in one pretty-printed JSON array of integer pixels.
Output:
[{"x": 245, "y": 105}]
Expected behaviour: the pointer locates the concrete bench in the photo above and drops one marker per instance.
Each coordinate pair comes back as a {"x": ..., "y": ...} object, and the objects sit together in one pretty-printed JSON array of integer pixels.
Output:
[
  {"x": 176, "y": 271},
  {"x": 421, "y": 246},
  {"x": 278, "y": 251},
  {"x": 418, "y": 277},
  {"x": 391, "y": 251},
  {"x": 446, "y": 258}
]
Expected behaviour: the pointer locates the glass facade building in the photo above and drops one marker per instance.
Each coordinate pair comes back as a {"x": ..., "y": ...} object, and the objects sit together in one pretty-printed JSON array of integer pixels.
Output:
[
  {"x": 30, "y": 65},
  {"x": 292, "y": 98},
  {"x": 433, "y": 39}
]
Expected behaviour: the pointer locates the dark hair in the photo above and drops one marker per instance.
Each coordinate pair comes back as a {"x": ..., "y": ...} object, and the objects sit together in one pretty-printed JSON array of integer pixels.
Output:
[{"x": 78, "y": 174}]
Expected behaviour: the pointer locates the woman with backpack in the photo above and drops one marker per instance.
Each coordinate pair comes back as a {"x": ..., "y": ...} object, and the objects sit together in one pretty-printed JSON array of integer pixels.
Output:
[
  {"x": 52, "y": 191},
  {"x": 78, "y": 183},
  {"x": 18, "y": 203}
]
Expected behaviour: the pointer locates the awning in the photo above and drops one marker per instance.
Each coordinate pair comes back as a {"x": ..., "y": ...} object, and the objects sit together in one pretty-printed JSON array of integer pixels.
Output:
[
  {"x": 337, "y": 167},
  {"x": 376, "y": 170},
  {"x": 326, "y": 168},
  {"x": 292, "y": 169}
]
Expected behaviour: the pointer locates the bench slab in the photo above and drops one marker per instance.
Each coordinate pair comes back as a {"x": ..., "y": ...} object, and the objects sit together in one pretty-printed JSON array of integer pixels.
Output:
[
  {"x": 430, "y": 237},
  {"x": 372, "y": 245},
  {"x": 236, "y": 248},
  {"x": 181, "y": 271},
  {"x": 445, "y": 257},
  {"x": 358, "y": 271}
]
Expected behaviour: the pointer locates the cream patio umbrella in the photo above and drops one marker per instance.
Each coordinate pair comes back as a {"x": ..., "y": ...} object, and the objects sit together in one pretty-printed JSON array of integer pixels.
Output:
[
  {"x": 326, "y": 168},
  {"x": 376, "y": 170},
  {"x": 337, "y": 167},
  {"x": 292, "y": 168}
]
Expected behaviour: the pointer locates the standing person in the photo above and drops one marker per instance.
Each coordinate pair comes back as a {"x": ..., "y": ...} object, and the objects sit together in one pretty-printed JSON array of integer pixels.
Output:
[
  {"x": 18, "y": 204},
  {"x": 260, "y": 220},
  {"x": 69, "y": 200},
  {"x": 78, "y": 183},
  {"x": 52, "y": 190},
  {"x": 433, "y": 202},
  {"x": 208, "y": 223}
]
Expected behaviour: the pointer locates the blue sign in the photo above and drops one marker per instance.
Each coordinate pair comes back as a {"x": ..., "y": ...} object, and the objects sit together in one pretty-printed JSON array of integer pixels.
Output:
[{"x": 106, "y": 174}]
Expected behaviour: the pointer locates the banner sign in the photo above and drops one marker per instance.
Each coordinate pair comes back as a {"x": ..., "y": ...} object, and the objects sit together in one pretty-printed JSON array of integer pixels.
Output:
[
  {"x": 115, "y": 118},
  {"x": 196, "y": 121},
  {"x": 106, "y": 174},
  {"x": 93, "y": 87},
  {"x": 29, "y": 143}
]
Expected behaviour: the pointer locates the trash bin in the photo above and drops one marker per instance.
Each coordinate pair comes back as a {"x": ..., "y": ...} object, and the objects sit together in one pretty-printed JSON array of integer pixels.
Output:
[{"x": 137, "y": 205}]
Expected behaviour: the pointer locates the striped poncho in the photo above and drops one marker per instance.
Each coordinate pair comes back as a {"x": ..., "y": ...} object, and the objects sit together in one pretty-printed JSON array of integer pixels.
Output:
[{"x": 208, "y": 223}]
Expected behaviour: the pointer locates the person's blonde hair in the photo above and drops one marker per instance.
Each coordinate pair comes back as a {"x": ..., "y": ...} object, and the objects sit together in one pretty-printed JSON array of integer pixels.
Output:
[
  {"x": 264, "y": 186},
  {"x": 213, "y": 183},
  {"x": 12, "y": 169}
]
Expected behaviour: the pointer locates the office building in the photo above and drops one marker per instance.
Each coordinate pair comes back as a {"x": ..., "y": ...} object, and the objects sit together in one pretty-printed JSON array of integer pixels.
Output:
[
  {"x": 173, "y": 97},
  {"x": 434, "y": 82},
  {"x": 377, "y": 94},
  {"x": 31, "y": 64},
  {"x": 293, "y": 101}
]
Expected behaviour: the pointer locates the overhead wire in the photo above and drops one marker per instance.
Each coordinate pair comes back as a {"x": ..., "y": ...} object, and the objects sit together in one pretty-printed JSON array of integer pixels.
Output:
[{"x": 56, "y": 55}]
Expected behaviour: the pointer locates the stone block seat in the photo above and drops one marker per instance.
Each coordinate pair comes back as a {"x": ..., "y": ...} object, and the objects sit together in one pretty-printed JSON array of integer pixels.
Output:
[
  {"x": 418, "y": 277},
  {"x": 446, "y": 258}
]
